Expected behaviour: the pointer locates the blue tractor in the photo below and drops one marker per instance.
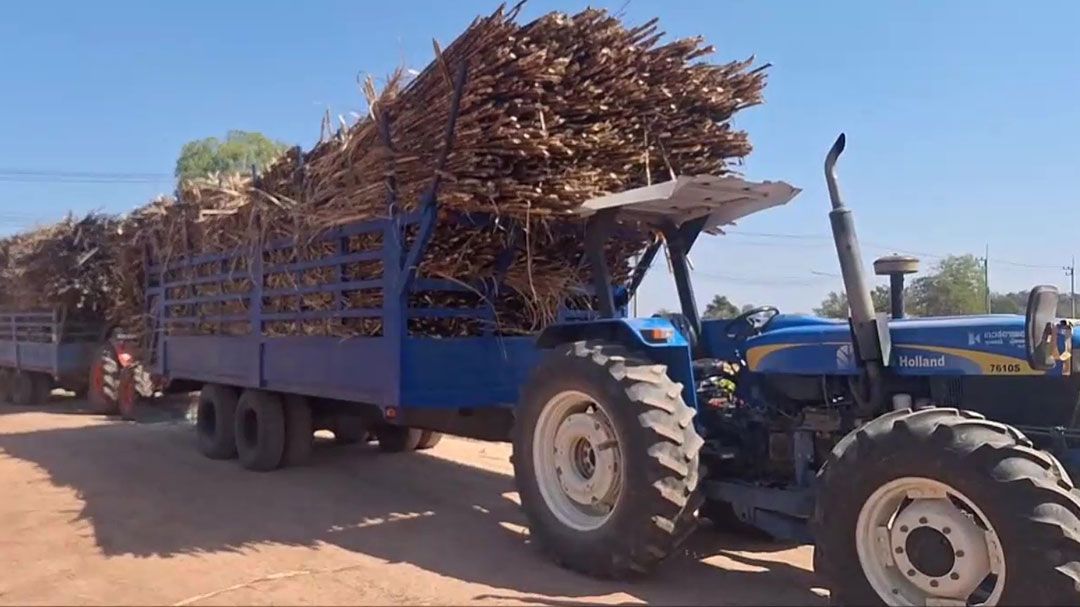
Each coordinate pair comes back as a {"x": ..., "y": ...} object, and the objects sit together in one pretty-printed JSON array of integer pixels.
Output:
[{"x": 922, "y": 456}]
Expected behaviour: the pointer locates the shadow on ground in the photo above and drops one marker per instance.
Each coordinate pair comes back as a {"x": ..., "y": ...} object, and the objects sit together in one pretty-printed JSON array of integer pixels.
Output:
[
  {"x": 170, "y": 408},
  {"x": 146, "y": 491}
]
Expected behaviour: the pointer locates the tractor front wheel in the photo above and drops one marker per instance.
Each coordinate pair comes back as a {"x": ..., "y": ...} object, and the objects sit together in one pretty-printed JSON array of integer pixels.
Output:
[
  {"x": 940, "y": 506},
  {"x": 606, "y": 459}
]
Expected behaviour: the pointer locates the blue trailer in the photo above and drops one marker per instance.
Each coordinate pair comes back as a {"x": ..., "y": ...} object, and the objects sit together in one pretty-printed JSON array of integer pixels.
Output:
[{"x": 40, "y": 350}]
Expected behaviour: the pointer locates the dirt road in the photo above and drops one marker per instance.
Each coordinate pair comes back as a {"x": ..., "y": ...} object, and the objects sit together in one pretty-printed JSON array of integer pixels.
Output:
[{"x": 94, "y": 511}]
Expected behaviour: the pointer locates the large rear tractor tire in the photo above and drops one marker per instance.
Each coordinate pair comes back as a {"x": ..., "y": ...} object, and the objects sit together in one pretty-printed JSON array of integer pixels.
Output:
[
  {"x": 940, "y": 506},
  {"x": 127, "y": 396},
  {"x": 215, "y": 421},
  {"x": 104, "y": 386},
  {"x": 606, "y": 459},
  {"x": 260, "y": 430},
  {"x": 23, "y": 388}
]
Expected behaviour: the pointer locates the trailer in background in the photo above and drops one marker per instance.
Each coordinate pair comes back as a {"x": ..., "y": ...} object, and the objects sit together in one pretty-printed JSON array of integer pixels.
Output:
[{"x": 41, "y": 350}]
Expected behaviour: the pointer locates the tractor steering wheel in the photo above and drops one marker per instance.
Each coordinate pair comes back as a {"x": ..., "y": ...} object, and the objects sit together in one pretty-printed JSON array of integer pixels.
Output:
[{"x": 750, "y": 322}]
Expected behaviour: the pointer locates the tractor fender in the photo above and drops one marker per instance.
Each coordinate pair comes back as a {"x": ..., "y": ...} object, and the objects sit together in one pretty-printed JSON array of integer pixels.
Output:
[
  {"x": 623, "y": 331},
  {"x": 674, "y": 352}
]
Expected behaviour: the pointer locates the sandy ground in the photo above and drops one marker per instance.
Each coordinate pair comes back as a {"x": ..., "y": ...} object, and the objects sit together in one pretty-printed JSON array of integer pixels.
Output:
[{"x": 96, "y": 511}]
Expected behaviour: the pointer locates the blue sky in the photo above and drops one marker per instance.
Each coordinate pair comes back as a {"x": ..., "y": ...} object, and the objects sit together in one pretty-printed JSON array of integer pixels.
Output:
[{"x": 962, "y": 117}]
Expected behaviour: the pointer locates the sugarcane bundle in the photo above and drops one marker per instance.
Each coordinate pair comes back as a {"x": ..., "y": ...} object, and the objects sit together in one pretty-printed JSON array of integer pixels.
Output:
[
  {"x": 553, "y": 112},
  {"x": 65, "y": 265}
]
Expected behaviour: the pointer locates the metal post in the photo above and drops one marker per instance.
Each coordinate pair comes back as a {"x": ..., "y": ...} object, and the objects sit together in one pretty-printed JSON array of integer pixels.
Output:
[
  {"x": 896, "y": 295},
  {"x": 597, "y": 231},
  {"x": 1072, "y": 287}
]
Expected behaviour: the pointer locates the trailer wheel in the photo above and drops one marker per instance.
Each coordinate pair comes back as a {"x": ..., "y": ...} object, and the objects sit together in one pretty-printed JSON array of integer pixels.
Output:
[
  {"x": 349, "y": 430},
  {"x": 23, "y": 388},
  {"x": 104, "y": 381},
  {"x": 940, "y": 506},
  {"x": 428, "y": 440},
  {"x": 606, "y": 459},
  {"x": 260, "y": 430},
  {"x": 6, "y": 377},
  {"x": 214, "y": 423},
  {"x": 299, "y": 431},
  {"x": 398, "y": 439},
  {"x": 43, "y": 385}
]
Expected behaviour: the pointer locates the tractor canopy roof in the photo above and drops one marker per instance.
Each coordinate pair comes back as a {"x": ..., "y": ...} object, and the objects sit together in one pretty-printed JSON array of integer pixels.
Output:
[{"x": 722, "y": 199}]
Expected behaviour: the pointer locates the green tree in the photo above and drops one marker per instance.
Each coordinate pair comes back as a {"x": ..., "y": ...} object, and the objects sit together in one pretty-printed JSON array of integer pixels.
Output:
[
  {"x": 956, "y": 287},
  {"x": 236, "y": 154},
  {"x": 835, "y": 304},
  {"x": 720, "y": 307}
]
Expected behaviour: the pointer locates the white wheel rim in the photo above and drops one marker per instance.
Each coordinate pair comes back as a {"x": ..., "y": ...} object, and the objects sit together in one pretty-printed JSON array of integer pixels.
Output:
[
  {"x": 577, "y": 460},
  {"x": 921, "y": 542}
]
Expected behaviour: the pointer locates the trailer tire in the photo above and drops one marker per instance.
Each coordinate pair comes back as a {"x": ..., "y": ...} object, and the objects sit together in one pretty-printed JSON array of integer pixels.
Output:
[
  {"x": 646, "y": 465},
  {"x": 6, "y": 376},
  {"x": 398, "y": 439},
  {"x": 1013, "y": 505},
  {"x": 260, "y": 430},
  {"x": 23, "y": 388},
  {"x": 215, "y": 421},
  {"x": 349, "y": 430},
  {"x": 299, "y": 431},
  {"x": 43, "y": 385},
  {"x": 428, "y": 440}
]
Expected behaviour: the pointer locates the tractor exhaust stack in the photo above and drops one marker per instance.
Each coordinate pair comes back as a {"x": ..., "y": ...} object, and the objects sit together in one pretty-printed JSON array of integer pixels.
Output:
[{"x": 871, "y": 341}]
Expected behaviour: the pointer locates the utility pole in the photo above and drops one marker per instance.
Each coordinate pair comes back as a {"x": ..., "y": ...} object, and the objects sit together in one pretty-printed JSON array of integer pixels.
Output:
[
  {"x": 986, "y": 278},
  {"x": 1070, "y": 271}
]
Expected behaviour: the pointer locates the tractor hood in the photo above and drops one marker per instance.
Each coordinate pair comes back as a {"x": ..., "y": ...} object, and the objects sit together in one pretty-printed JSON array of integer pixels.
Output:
[{"x": 960, "y": 345}]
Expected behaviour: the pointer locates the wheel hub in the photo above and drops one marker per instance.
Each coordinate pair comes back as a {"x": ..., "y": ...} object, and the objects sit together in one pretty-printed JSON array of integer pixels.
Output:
[
  {"x": 920, "y": 542},
  {"x": 577, "y": 458},
  {"x": 942, "y": 551},
  {"x": 584, "y": 461}
]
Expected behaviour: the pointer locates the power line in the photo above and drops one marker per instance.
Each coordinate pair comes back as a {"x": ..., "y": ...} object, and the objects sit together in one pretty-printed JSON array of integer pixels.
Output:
[
  {"x": 883, "y": 247},
  {"x": 19, "y": 175}
]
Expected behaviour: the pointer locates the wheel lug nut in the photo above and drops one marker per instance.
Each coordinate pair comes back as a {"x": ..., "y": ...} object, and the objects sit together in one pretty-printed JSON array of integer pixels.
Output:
[
  {"x": 903, "y": 528},
  {"x": 946, "y": 530},
  {"x": 899, "y": 550},
  {"x": 933, "y": 583},
  {"x": 922, "y": 520},
  {"x": 954, "y": 576},
  {"x": 911, "y": 572},
  {"x": 959, "y": 554}
]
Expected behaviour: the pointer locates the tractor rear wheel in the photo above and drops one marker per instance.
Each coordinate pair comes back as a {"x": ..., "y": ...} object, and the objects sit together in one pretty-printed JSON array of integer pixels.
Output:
[
  {"x": 104, "y": 385},
  {"x": 940, "y": 506},
  {"x": 127, "y": 396},
  {"x": 606, "y": 459},
  {"x": 214, "y": 422},
  {"x": 260, "y": 430}
]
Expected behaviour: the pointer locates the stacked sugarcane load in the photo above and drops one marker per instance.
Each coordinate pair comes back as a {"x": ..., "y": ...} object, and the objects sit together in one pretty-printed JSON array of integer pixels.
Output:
[
  {"x": 553, "y": 113},
  {"x": 66, "y": 266}
]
